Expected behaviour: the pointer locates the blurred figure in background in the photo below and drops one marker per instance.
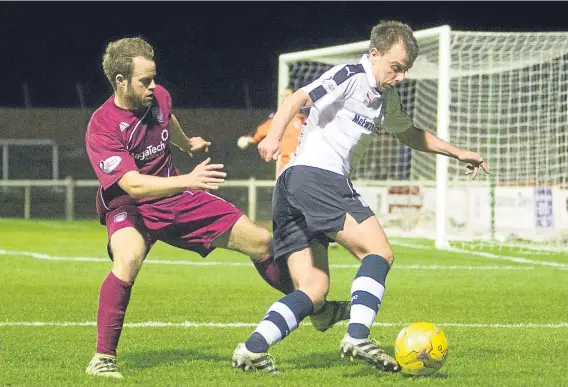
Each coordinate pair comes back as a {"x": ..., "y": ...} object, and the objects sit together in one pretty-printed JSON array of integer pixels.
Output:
[{"x": 289, "y": 140}]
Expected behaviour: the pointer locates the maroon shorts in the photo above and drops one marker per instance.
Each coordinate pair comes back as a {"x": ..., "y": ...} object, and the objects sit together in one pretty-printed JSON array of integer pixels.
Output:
[{"x": 191, "y": 220}]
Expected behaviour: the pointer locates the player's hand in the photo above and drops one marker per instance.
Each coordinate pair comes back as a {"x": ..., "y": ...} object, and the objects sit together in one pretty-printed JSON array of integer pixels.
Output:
[
  {"x": 198, "y": 144},
  {"x": 206, "y": 176},
  {"x": 269, "y": 149},
  {"x": 474, "y": 161}
]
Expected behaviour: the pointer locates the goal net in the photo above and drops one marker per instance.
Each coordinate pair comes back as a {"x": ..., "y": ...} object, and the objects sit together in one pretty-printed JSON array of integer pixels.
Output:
[{"x": 504, "y": 95}]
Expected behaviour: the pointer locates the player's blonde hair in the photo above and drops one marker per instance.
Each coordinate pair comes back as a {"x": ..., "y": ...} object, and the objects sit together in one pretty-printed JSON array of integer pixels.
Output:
[
  {"x": 119, "y": 56},
  {"x": 388, "y": 33}
]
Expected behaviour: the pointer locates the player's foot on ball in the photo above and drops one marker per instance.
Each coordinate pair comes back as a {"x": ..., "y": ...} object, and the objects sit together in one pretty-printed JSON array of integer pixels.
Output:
[
  {"x": 369, "y": 351},
  {"x": 103, "y": 365},
  {"x": 251, "y": 361},
  {"x": 331, "y": 313}
]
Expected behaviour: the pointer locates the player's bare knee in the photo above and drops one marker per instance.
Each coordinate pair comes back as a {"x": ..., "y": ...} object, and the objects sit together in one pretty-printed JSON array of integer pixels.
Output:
[
  {"x": 248, "y": 238},
  {"x": 126, "y": 266},
  {"x": 384, "y": 250},
  {"x": 259, "y": 245},
  {"x": 316, "y": 288},
  {"x": 132, "y": 260},
  {"x": 320, "y": 302},
  {"x": 264, "y": 241},
  {"x": 316, "y": 294},
  {"x": 388, "y": 255}
]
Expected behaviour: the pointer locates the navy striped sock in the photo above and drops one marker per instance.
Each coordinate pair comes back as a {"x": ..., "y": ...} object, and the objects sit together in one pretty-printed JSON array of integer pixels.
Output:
[
  {"x": 366, "y": 295},
  {"x": 281, "y": 319}
]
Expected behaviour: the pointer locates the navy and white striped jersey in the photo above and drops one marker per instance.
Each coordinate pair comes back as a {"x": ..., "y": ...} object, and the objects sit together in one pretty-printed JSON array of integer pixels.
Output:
[{"x": 347, "y": 109}]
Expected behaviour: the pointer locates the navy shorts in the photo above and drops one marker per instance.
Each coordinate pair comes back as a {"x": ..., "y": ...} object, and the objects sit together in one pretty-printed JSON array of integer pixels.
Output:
[{"x": 308, "y": 203}]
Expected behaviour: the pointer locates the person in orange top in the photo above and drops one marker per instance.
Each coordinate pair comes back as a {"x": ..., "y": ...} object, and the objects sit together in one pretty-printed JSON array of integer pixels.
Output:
[{"x": 289, "y": 139}]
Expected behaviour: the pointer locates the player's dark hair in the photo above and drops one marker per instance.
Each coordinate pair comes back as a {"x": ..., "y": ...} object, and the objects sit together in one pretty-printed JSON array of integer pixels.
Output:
[
  {"x": 119, "y": 55},
  {"x": 388, "y": 33}
]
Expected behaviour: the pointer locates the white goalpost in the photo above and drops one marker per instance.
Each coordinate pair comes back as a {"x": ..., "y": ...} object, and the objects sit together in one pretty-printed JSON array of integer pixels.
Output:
[{"x": 502, "y": 94}]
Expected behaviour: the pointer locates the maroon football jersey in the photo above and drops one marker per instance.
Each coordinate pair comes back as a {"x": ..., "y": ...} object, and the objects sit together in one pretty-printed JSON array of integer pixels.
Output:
[{"x": 119, "y": 141}]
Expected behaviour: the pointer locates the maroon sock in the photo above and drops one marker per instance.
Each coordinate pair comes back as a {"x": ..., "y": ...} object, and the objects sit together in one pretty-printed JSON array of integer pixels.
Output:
[
  {"x": 275, "y": 273},
  {"x": 113, "y": 300}
]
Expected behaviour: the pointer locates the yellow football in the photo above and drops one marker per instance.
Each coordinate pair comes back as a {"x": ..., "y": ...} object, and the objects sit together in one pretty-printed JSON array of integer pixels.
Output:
[{"x": 421, "y": 349}]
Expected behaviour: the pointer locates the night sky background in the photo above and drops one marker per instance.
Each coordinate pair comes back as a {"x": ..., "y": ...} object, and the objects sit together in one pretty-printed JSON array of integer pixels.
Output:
[{"x": 206, "y": 52}]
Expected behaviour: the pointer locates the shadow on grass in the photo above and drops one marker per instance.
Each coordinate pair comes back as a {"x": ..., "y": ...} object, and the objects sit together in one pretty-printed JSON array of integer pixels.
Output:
[
  {"x": 315, "y": 360},
  {"x": 437, "y": 375},
  {"x": 149, "y": 359},
  {"x": 332, "y": 359},
  {"x": 357, "y": 368}
]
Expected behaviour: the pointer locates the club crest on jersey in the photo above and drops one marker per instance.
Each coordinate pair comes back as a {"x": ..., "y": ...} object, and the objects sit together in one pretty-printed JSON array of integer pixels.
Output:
[
  {"x": 165, "y": 135},
  {"x": 329, "y": 84},
  {"x": 158, "y": 114},
  {"x": 108, "y": 165}
]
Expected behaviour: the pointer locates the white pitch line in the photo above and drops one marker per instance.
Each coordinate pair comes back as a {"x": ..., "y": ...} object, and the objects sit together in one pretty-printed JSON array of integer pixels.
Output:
[
  {"x": 512, "y": 259},
  {"x": 216, "y": 263},
  {"x": 558, "y": 265},
  {"x": 189, "y": 324}
]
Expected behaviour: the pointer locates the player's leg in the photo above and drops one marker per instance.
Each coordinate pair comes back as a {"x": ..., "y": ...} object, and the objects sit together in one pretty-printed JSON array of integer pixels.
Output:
[
  {"x": 128, "y": 248},
  {"x": 248, "y": 238},
  {"x": 367, "y": 241},
  {"x": 310, "y": 272},
  {"x": 222, "y": 225},
  {"x": 308, "y": 202},
  {"x": 256, "y": 242}
]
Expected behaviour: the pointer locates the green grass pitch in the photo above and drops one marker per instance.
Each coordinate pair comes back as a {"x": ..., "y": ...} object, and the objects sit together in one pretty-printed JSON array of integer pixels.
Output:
[{"x": 505, "y": 319}]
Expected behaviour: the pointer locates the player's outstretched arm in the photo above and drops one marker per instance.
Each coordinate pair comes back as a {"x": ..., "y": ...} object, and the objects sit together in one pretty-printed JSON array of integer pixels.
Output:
[
  {"x": 186, "y": 144},
  {"x": 425, "y": 141},
  {"x": 203, "y": 176},
  {"x": 269, "y": 148}
]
